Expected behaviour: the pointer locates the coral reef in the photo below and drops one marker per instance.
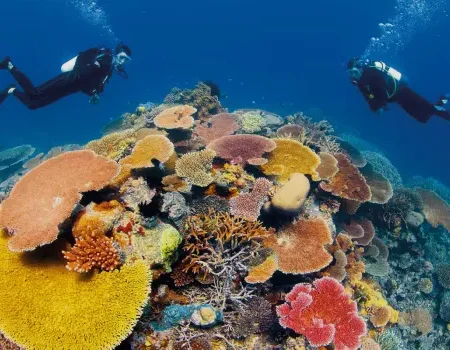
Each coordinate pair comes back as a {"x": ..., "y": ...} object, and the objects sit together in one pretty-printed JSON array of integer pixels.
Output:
[
  {"x": 219, "y": 125},
  {"x": 179, "y": 117},
  {"x": 248, "y": 205}
]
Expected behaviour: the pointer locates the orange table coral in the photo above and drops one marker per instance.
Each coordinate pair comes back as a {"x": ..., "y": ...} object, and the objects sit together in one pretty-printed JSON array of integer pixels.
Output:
[{"x": 179, "y": 117}]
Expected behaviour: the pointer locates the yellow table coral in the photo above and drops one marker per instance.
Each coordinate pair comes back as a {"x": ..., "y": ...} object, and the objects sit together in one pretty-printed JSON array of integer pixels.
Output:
[
  {"x": 45, "y": 306},
  {"x": 289, "y": 157}
]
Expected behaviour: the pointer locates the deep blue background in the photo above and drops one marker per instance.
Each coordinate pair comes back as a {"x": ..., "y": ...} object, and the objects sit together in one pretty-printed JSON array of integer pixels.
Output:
[{"x": 285, "y": 56}]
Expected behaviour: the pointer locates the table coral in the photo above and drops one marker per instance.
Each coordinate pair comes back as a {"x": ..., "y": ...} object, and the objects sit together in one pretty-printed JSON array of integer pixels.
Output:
[
  {"x": 380, "y": 187},
  {"x": 263, "y": 272},
  {"x": 113, "y": 146},
  {"x": 45, "y": 306},
  {"x": 242, "y": 148},
  {"x": 327, "y": 168},
  {"x": 251, "y": 122},
  {"x": 196, "y": 167},
  {"x": 289, "y": 157},
  {"x": 300, "y": 246},
  {"x": 47, "y": 195},
  {"x": 179, "y": 117},
  {"x": 348, "y": 183},
  {"x": 436, "y": 210},
  {"x": 219, "y": 125},
  {"x": 324, "y": 314}
]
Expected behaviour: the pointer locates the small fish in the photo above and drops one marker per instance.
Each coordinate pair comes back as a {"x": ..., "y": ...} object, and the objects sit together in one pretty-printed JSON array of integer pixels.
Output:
[{"x": 158, "y": 164}]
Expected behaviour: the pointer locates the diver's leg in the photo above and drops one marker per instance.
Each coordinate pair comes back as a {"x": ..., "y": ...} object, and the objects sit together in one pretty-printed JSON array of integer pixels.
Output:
[
  {"x": 21, "y": 78},
  {"x": 415, "y": 105},
  {"x": 29, "y": 101},
  {"x": 6, "y": 92}
]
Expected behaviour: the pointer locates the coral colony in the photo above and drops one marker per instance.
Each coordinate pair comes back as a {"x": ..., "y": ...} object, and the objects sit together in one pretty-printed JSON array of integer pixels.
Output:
[{"x": 187, "y": 226}]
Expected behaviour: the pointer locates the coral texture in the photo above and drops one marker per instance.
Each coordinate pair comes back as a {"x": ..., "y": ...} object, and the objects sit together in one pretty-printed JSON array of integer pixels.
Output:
[
  {"x": 324, "y": 314},
  {"x": 264, "y": 271},
  {"x": 196, "y": 167},
  {"x": 179, "y": 117},
  {"x": 219, "y": 125},
  {"x": 93, "y": 252},
  {"x": 380, "y": 187},
  {"x": 291, "y": 196},
  {"x": 289, "y": 157},
  {"x": 248, "y": 205},
  {"x": 45, "y": 306},
  {"x": 113, "y": 146},
  {"x": 242, "y": 148},
  {"x": 436, "y": 210},
  {"x": 47, "y": 195},
  {"x": 348, "y": 183},
  {"x": 300, "y": 246},
  {"x": 327, "y": 168}
]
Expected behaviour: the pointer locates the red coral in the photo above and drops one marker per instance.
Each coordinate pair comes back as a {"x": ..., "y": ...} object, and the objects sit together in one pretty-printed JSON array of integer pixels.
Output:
[
  {"x": 241, "y": 148},
  {"x": 324, "y": 314},
  {"x": 221, "y": 124},
  {"x": 248, "y": 205}
]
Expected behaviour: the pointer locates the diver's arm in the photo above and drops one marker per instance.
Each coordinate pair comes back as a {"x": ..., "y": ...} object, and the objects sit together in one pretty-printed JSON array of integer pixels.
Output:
[
  {"x": 373, "y": 87},
  {"x": 86, "y": 61}
]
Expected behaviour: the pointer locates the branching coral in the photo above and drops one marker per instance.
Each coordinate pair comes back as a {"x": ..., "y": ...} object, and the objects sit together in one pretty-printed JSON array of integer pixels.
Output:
[
  {"x": 324, "y": 314},
  {"x": 93, "y": 252},
  {"x": 316, "y": 134},
  {"x": 289, "y": 157},
  {"x": 248, "y": 205},
  {"x": 300, "y": 246},
  {"x": 196, "y": 167},
  {"x": 47, "y": 195},
  {"x": 348, "y": 183},
  {"x": 45, "y": 306},
  {"x": 242, "y": 149},
  {"x": 218, "y": 243}
]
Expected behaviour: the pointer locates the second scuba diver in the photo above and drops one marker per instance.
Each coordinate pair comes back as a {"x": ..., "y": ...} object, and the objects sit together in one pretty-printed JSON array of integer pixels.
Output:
[
  {"x": 381, "y": 84},
  {"x": 88, "y": 73}
]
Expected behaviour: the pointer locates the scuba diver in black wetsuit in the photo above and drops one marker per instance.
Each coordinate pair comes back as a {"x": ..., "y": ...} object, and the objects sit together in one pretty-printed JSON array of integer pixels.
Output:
[
  {"x": 381, "y": 84},
  {"x": 88, "y": 73}
]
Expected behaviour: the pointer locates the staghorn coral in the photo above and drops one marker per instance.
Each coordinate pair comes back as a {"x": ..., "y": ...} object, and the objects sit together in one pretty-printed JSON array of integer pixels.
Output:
[
  {"x": 45, "y": 306},
  {"x": 180, "y": 277},
  {"x": 242, "y": 149},
  {"x": 93, "y": 252},
  {"x": 348, "y": 183},
  {"x": 178, "y": 117},
  {"x": 324, "y": 314},
  {"x": 327, "y": 167},
  {"x": 289, "y": 157},
  {"x": 300, "y": 246},
  {"x": 219, "y": 125},
  {"x": 290, "y": 197},
  {"x": 196, "y": 167},
  {"x": 436, "y": 210},
  {"x": 113, "y": 146},
  {"x": 217, "y": 242},
  {"x": 47, "y": 195},
  {"x": 248, "y": 205}
]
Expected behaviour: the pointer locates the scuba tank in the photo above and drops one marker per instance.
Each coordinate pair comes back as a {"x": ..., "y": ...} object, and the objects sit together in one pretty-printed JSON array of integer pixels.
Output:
[{"x": 69, "y": 65}]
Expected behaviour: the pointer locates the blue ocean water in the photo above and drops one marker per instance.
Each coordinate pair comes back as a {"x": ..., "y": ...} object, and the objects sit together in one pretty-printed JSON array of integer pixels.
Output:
[{"x": 283, "y": 57}]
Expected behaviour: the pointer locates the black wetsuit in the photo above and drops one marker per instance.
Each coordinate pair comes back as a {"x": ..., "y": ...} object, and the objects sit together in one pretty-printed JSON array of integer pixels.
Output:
[
  {"x": 379, "y": 88},
  {"x": 86, "y": 77}
]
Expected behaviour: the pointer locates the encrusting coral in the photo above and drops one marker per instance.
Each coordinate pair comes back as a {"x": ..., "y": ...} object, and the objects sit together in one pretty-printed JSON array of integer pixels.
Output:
[
  {"x": 47, "y": 195},
  {"x": 46, "y": 306}
]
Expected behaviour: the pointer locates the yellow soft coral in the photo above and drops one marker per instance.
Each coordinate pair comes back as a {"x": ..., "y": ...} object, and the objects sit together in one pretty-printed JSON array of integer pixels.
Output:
[
  {"x": 113, "y": 145},
  {"x": 371, "y": 300},
  {"x": 45, "y": 306},
  {"x": 289, "y": 157}
]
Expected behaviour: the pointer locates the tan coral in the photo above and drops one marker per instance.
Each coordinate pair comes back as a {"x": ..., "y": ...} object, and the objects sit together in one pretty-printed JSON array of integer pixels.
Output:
[
  {"x": 113, "y": 145},
  {"x": 47, "y": 195},
  {"x": 436, "y": 210},
  {"x": 327, "y": 167},
  {"x": 196, "y": 167},
  {"x": 291, "y": 196},
  {"x": 179, "y": 117}
]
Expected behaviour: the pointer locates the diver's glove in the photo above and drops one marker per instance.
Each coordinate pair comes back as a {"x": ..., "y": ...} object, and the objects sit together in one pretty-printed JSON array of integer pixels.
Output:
[{"x": 95, "y": 99}]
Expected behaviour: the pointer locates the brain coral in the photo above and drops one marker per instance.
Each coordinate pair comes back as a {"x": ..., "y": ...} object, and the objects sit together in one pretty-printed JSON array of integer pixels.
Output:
[
  {"x": 242, "y": 148},
  {"x": 179, "y": 117},
  {"x": 300, "y": 246},
  {"x": 348, "y": 183},
  {"x": 47, "y": 195},
  {"x": 196, "y": 167},
  {"x": 289, "y": 157},
  {"x": 45, "y": 306}
]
